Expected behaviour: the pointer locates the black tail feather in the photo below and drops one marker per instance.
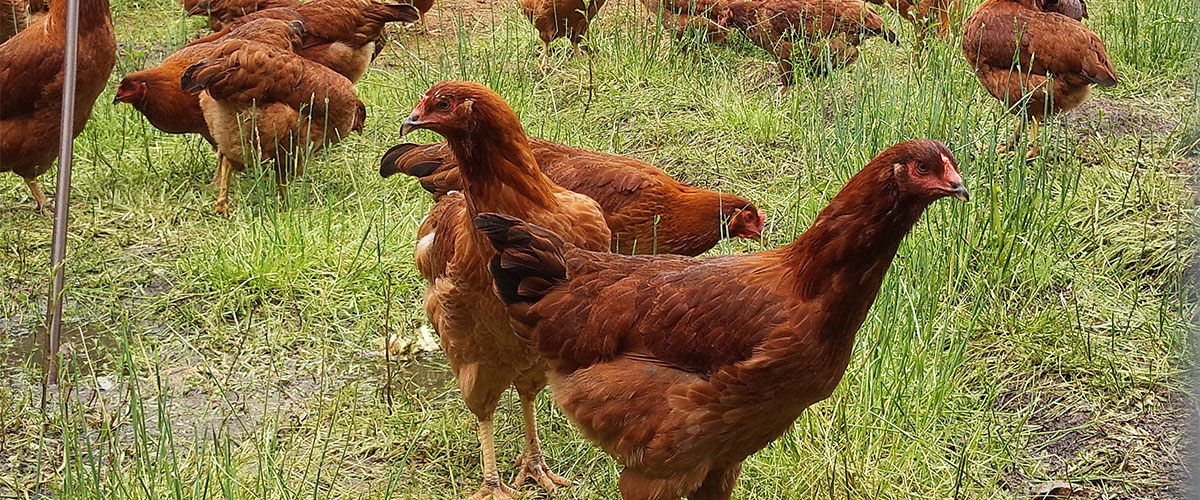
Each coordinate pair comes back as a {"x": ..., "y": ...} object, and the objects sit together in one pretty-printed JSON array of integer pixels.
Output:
[{"x": 529, "y": 260}]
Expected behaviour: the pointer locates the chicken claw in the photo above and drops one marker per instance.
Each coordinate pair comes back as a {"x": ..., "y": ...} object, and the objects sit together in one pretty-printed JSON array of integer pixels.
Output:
[
  {"x": 39, "y": 197},
  {"x": 497, "y": 491},
  {"x": 533, "y": 466}
]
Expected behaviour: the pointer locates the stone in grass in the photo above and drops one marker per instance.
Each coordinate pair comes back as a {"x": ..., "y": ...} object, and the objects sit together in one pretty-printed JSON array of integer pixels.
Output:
[{"x": 1053, "y": 490}]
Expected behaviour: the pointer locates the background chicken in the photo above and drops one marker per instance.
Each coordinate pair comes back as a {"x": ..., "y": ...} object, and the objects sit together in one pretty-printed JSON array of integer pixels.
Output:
[
  {"x": 923, "y": 13},
  {"x": 647, "y": 211},
  {"x": 262, "y": 101},
  {"x": 222, "y": 12},
  {"x": 1035, "y": 62},
  {"x": 682, "y": 17},
  {"x": 1074, "y": 9},
  {"x": 680, "y": 367},
  {"x": 31, "y": 76},
  {"x": 499, "y": 173},
  {"x": 339, "y": 34},
  {"x": 560, "y": 18},
  {"x": 823, "y": 34}
]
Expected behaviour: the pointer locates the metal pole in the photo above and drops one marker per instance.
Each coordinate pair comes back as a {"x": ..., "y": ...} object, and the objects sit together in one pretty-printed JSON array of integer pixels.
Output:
[{"x": 62, "y": 192}]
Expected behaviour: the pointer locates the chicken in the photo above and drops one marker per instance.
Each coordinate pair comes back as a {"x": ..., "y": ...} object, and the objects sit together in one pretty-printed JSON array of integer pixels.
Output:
[
  {"x": 221, "y": 13},
  {"x": 422, "y": 7},
  {"x": 31, "y": 76},
  {"x": 555, "y": 19},
  {"x": 828, "y": 32},
  {"x": 262, "y": 101},
  {"x": 339, "y": 34},
  {"x": 13, "y": 18},
  {"x": 647, "y": 211},
  {"x": 684, "y": 17},
  {"x": 499, "y": 173},
  {"x": 681, "y": 368},
  {"x": 921, "y": 13},
  {"x": 156, "y": 94},
  {"x": 1035, "y": 62}
]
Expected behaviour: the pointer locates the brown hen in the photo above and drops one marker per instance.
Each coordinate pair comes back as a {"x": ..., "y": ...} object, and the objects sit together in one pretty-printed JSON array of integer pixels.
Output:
[
  {"x": 340, "y": 34},
  {"x": 681, "y": 368},
  {"x": 685, "y": 18},
  {"x": 555, "y": 19},
  {"x": 923, "y": 13},
  {"x": 263, "y": 102},
  {"x": 31, "y": 87},
  {"x": 647, "y": 211},
  {"x": 499, "y": 173},
  {"x": 818, "y": 34},
  {"x": 1037, "y": 63}
]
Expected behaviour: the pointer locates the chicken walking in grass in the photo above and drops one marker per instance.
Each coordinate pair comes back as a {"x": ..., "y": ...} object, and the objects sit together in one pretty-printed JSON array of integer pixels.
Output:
[
  {"x": 647, "y": 211},
  {"x": 556, "y": 19},
  {"x": 31, "y": 87},
  {"x": 685, "y": 18},
  {"x": 681, "y": 368},
  {"x": 1035, "y": 62},
  {"x": 820, "y": 35},
  {"x": 263, "y": 102},
  {"x": 924, "y": 13},
  {"x": 499, "y": 173}
]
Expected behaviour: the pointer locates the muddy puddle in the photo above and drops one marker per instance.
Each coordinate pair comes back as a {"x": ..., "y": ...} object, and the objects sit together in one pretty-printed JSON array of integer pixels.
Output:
[{"x": 84, "y": 349}]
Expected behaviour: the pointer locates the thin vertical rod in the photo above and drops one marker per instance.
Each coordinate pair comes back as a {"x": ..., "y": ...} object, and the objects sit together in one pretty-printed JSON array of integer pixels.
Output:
[{"x": 62, "y": 192}]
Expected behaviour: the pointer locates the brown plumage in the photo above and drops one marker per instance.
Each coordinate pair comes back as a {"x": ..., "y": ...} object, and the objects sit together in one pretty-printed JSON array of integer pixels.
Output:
[
  {"x": 1015, "y": 48},
  {"x": 31, "y": 76},
  {"x": 1074, "y": 9},
  {"x": 684, "y": 17},
  {"x": 499, "y": 174},
  {"x": 647, "y": 211},
  {"x": 221, "y": 13},
  {"x": 924, "y": 13},
  {"x": 555, "y": 19},
  {"x": 14, "y": 17},
  {"x": 156, "y": 94},
  {"x": 261, "y": 100},
  {"x": 817, "y": 34},
  {"x": 339, "y": 34},
  {"x": 682, "y": 367}
]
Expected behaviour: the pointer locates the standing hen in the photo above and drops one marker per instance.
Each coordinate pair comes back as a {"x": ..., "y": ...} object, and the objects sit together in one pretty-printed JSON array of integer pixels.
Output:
[
  {"x": 682, "y": 17},
  {"x": 819, "y": 34},
  {"x": 647, "y": 211},
  {"x": 31, "y": 87},
  {"x": 499, "y": 174},
  {"x": 681, "y": 368},
  {"x": 922, "y": 13},
  {"x": 261, "y": 101},
  {"x": 1035, "y": 62},
  {"x": 555, "y": 19}
]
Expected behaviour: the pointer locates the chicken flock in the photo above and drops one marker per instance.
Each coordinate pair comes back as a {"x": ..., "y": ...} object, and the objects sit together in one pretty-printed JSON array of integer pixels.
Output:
[{"x": 548, "y": 264}]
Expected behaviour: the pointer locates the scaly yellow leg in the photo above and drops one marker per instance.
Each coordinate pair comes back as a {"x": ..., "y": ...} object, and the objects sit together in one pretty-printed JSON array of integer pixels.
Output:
[
  {"x": 492, "y": 486},
  {"x": 532, "y": 463},
  {"x": 224, "y": 169}
]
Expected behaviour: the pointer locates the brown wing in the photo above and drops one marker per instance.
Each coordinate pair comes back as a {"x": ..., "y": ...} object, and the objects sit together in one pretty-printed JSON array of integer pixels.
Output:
[
  {"x": 29, "y": 63},
  {"x": 1042, "y": 43}
]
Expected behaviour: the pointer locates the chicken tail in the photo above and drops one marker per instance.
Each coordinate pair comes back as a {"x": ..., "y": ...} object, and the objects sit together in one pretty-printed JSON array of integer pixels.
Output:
[
  {"x": 426, "y": 162},
  {"x": 529, "y": 260},
  {"x": 397, "y": 12}
]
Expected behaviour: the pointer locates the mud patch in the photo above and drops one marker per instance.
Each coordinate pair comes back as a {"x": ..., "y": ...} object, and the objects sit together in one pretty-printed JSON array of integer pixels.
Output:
[{"x": 1099, "y": 116}]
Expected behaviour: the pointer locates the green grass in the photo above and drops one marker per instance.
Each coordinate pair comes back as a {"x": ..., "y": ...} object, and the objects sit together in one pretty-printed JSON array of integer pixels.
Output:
[{"x": 1039, "y": 332}]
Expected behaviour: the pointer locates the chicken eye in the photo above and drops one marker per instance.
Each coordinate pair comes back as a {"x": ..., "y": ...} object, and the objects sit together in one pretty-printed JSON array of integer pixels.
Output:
[
  {"x": 443, "y": 105},
  {"x": 922, "y": 168}
]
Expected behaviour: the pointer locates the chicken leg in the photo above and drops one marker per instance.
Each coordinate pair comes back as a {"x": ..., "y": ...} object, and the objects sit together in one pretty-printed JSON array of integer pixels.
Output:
[
  {"x": 545, "y": 55},
  {"x": 1034, "y": 148},
  {"x": 492, "y": 487},
  {"x": 532, "y": 463},
  {"x": 223, "y": 171},
  {"x": 38, "y": 196}
]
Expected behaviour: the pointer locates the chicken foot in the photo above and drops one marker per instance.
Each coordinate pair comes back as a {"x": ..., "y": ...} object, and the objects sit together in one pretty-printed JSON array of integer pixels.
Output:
[
  {"x": 532, "y": 463},
  {"x": 1034, "y": 149},
  {"x": 545, "y": 56},
  {"x": 492, "y": 486}
]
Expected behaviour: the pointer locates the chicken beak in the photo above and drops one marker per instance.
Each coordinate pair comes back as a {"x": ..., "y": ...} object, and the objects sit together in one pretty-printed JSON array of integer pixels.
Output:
[
  {"x": 959, "y": 191},
  {"x": 410, "y": 124}
]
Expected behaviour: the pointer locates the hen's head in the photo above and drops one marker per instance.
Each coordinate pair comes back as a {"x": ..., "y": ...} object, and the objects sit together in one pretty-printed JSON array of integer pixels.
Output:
[
  {"x": 923, "y": 170},
  {"x": 456, "y": 110},
  {"x": 745, "y": 220},
  {"x": 131, "y": 90}
]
